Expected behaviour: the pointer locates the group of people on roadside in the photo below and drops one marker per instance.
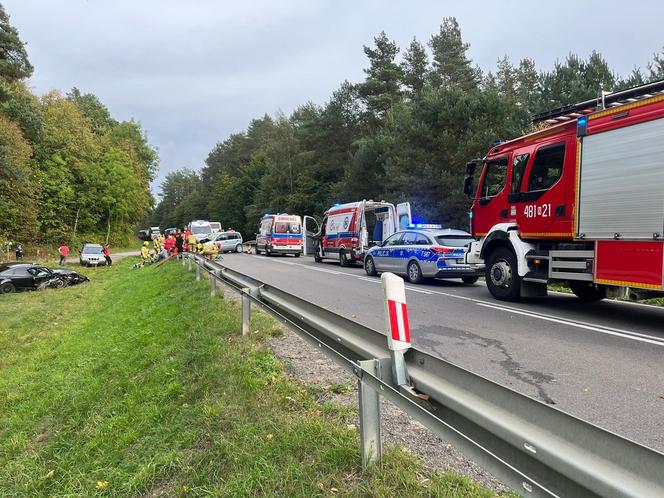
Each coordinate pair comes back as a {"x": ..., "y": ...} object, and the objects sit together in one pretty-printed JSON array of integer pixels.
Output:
[
  {"x": 176, "y": 244},
  {"x": 165, "y": 246}
]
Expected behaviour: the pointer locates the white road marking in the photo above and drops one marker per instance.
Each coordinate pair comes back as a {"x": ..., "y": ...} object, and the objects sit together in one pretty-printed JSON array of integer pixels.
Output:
[
  {"x": 582, "y": 325},
  {"x": 421, "y": 291}
]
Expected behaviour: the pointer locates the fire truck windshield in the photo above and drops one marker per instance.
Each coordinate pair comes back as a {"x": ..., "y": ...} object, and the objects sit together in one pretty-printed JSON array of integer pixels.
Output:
[{"x": 287, "y": 227}]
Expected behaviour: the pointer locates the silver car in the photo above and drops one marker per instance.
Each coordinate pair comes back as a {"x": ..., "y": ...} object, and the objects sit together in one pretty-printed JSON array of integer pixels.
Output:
[
  {"x": 92, "y": 255},
  {"x": 420, "y": 253},
  {"x": 226, "y": 241}
]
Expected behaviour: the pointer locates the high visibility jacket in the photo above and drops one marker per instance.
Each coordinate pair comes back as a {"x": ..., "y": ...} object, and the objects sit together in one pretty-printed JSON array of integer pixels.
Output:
[
  {"x": 145, "y": 252},
  {"x": 192, "y": 241}
]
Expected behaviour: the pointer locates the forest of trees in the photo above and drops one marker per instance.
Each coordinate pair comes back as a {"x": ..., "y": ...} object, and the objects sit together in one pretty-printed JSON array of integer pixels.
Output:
[
  {"x": 404, "y": 133},
  {"x": 69, "y": 172}
]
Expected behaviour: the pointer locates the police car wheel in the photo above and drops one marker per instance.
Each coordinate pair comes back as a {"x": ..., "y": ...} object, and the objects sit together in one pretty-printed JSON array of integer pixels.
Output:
[
  {"x": 370, "y": 266},
  {"x": 469, "y": 280},
  {"x": 414, "y": 273},
  {"x": 502, "y": 277}
]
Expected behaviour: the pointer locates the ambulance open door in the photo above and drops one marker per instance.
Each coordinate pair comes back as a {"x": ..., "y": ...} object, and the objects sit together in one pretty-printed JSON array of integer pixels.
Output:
[{"x": 404, "y": 217}]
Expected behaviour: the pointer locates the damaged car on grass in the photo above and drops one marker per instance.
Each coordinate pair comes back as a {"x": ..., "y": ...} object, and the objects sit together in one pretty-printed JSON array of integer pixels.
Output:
[{"x": 30, "y": 276}]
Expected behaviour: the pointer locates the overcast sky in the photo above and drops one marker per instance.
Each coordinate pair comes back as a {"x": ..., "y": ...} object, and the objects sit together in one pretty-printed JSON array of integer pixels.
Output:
[{"x": 194, "y": 71}]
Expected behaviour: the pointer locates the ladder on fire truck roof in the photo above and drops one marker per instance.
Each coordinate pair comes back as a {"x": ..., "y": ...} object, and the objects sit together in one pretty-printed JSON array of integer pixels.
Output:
[{"x": 607, "y": 100}]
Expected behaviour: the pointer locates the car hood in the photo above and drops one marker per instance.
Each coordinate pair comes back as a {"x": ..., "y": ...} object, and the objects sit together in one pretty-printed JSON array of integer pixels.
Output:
[{"x": 62, "y": 271}]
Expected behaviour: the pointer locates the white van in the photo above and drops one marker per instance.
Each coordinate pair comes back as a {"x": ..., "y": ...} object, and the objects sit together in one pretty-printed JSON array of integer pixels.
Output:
[{"x": 200, "y": 228}]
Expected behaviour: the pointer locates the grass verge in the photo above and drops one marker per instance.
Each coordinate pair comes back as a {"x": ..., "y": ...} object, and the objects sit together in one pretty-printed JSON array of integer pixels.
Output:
[{"x": 138, "y": 384}]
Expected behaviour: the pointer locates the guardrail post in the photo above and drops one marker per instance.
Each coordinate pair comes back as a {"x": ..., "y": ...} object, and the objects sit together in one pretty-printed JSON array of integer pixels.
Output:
[
  {"x": 246, "y": 311},
  {"x": 198, "y": 271},
  {"x": 369, "y": 404},
  {"x": 396, "y": 320},
  {"x": 213, "y": 283},
  {"x": 184, "y": 258},
  {"x": 189, "y": 259}
]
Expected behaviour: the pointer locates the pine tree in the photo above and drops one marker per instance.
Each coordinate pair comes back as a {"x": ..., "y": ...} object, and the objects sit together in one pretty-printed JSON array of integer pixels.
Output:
[
  {"x": 414, "y": 66},
  {"x": 451, "y": 66},
  {"x": 656, "y": 67},
  {"x": 381, "y": 89}
]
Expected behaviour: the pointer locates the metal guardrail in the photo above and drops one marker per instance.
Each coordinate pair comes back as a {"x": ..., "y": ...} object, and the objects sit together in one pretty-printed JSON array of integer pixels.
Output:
[{"x": 535, "y": 449}]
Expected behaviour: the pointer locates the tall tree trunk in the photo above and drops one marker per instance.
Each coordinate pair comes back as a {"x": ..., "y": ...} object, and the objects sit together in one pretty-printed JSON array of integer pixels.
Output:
[
  {"x": 78, "y": 211},
  {"x": 108, "y": 231}
]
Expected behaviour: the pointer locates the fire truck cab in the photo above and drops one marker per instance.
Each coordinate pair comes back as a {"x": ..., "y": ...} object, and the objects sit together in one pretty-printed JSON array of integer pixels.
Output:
[
  {"x": 349, "y": 230},
  {"x": 580, "y": 202}
]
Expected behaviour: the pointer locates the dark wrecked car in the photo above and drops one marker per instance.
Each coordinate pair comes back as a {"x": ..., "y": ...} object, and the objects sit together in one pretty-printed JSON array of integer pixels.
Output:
[
  {"x": 71, "y": 277},
  {"x": 28, "y": 276}
]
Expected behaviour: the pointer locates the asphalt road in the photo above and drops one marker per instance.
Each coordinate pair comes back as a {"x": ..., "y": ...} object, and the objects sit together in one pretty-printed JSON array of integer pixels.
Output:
[{"x": 602, "y": 362}]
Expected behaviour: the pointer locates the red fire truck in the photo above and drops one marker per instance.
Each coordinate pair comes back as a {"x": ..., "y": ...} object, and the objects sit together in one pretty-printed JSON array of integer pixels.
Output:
[{"x": 580, "y": 201}]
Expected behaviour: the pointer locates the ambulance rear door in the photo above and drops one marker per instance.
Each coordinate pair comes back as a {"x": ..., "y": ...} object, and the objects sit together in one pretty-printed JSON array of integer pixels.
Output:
[{"x": 404, "y": 216}]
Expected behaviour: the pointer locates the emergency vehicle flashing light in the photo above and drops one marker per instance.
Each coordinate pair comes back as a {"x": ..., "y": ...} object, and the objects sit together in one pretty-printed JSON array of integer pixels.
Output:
[
  {"x": 424, "y": 225},
  {"x": 581, "y": 126}
]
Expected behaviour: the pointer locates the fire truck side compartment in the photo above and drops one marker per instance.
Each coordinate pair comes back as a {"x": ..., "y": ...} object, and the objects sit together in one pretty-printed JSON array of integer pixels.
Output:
[{"x": 621, "y": 182}]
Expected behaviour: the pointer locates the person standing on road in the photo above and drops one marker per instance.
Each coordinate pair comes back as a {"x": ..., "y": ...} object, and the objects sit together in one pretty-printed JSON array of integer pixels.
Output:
[
  {"x": 63, "y": 250},
  {"x": 107, "y": 255},
  {"x": 19, "y": 252}
]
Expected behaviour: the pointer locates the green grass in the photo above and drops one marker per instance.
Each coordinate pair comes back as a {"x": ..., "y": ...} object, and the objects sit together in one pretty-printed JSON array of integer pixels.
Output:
[{"x": 138, "y": 384}]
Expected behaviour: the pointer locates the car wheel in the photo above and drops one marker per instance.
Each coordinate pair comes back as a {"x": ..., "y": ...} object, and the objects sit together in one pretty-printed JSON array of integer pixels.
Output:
[
  {"x": 342, "y": 258},
  {"x": 502, "y": 277},
  {"x": 58, "y": 283},
  {"x": 587, "y": 291},
  {"x": 7, "y": 288},
  {"x": 370, "y": 266},
  {"x": 238, "y": 248},
  {"x": 469, "y": 280},
  {"x": 297, "y": 254},
  {"x": 414, "y": 273}
]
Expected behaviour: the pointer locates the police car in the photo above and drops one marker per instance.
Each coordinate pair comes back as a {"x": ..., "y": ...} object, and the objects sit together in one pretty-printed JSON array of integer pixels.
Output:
[{"x": 423, "y": 251}]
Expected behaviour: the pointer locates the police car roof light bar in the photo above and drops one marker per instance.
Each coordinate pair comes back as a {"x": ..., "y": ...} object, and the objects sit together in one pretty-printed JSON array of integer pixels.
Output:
[{"x": 424, "y": 225}]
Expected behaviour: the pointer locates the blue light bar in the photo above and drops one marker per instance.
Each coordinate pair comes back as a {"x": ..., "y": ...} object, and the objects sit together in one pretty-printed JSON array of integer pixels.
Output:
[
  {"x": 582, "y": 126},
  {"x": 424, "y": 225}
]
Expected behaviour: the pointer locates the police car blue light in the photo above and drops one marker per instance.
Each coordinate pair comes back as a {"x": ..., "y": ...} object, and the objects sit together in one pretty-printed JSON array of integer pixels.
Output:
[{"x": 423, "y": 251}]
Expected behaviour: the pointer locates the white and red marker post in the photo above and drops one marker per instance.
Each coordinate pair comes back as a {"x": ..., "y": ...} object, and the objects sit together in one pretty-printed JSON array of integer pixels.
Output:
[{"x": 396, "y": 320}]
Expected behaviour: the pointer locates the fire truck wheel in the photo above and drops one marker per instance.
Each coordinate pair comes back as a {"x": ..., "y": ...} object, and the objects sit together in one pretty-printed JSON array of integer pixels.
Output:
[
  {"x": 297, "y": 254},
  {"x": 370, "y": 266},
  {"x": 502, "y": 277},
  {"x": 414, "y": 273},
  {"x": 343, "y": 261},
  {"x": 587, "y": 291}
]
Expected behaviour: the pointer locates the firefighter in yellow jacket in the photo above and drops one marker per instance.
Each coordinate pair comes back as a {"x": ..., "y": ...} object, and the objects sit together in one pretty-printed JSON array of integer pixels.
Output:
[
  {"x": 145, "y": 253},
  {"x": 210, "y": 251},
  {"x": 191, "y": 241}
]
